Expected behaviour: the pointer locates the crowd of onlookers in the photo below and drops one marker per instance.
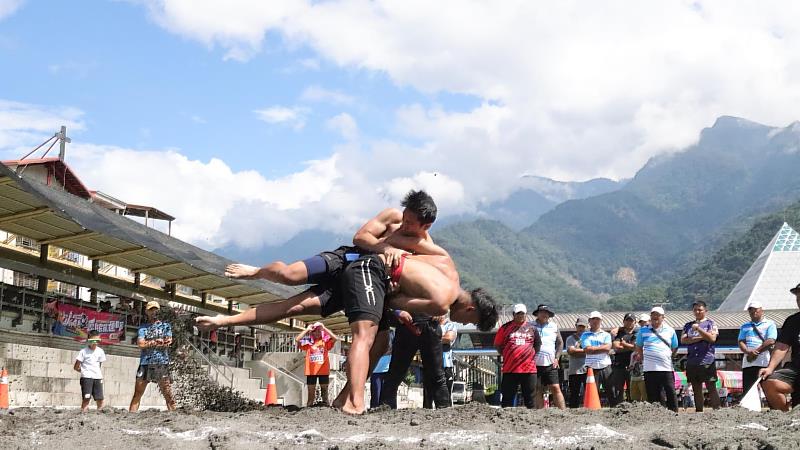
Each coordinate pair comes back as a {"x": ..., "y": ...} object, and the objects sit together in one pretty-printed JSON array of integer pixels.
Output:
[{"x": 635, "y": 361}]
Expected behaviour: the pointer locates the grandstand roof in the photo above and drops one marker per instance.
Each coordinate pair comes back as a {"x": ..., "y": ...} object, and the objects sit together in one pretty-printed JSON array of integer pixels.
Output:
[
  {"x": 52, "y": 216},
  {"x": 774, "y": 272}
]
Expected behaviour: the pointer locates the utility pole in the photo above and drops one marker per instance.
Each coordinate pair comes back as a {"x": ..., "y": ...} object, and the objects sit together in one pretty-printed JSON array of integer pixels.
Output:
[{"x": 63, "y": 140}]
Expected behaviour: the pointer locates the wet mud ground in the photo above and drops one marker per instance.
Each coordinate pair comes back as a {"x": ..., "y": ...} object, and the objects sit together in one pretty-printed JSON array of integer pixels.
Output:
[{"x": 471, "y": 426}]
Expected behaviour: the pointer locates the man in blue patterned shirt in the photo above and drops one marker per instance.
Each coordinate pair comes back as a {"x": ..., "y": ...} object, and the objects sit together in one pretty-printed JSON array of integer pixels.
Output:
[{"x": 154, "y": 340}]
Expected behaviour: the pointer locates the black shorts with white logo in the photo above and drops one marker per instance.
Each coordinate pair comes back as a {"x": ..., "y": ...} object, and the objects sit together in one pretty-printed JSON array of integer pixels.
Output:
[
  {"x": 153, "y": 373},
  {"x": 362, "y": 288},
  {"x": 92, "y": 388}
]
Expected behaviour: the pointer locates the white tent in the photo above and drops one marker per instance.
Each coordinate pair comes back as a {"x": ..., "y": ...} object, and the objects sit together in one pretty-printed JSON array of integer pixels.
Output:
[{"x": 768, "y": 280}]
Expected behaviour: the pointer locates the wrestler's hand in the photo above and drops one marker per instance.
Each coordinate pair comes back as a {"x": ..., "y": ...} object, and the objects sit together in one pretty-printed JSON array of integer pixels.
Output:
[
  {"x": 207, "y": 323},
  {"x": 393, "y": 256},
  {"x": 405, "y": 319},
  {"x": 765, "y": 373},
  {"x": 394, "y": 287}
]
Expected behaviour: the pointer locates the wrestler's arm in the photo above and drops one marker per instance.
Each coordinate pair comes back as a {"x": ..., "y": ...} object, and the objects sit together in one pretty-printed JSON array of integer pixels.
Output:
[
  {"x": 416, "y": 245},
  {"x": 369, "y": 236}
]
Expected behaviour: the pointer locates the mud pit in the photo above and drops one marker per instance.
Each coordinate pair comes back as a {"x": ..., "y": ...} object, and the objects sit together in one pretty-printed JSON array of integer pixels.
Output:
[{"x": 471, "y": 426}]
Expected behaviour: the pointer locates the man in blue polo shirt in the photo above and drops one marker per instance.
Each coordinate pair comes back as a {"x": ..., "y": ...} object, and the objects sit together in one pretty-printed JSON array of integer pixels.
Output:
[
  {"x": 654, "y": 346},
  {"x": 756, "y": 338},
  {"x": 596, "y": 344}
]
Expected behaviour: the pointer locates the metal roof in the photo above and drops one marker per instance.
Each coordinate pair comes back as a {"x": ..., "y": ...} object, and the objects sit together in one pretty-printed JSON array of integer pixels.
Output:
[{"x": 50, "y": 216}]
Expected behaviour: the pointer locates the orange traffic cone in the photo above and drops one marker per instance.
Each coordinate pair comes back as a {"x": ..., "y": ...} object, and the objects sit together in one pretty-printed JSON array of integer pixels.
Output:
[
  {"x": 591, "y": 398},
  {"x": 3, "y": 390},
  {"x": 272, "y": 391}
]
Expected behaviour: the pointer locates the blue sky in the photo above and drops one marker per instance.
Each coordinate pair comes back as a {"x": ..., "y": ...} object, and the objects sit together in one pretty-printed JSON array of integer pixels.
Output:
[
  {"x": 142, "y": 87},
  {"x": 252, "y": 121}
]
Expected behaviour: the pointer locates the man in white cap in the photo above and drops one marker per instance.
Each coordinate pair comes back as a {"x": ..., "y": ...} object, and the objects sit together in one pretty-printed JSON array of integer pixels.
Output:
[
  {"x": 596, "y": 344},
  {"x": 547, "y": 358},
  {"x": 655, "y": 344},
  {"x": 518, "y": 342},
  {"x": 779, "y": 383},
  {"x": 155, "y": 338},
  {"x": 756, "y": 339}
]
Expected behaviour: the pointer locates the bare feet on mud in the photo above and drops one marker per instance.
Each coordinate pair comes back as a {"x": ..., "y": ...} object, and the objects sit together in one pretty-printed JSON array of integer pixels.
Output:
[{"x": 241, "y": 271}]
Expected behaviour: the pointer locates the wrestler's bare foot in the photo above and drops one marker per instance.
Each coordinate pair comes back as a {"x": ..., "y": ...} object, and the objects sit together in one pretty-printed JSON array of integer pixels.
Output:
[
  {"x": 208, "y": 323},
  {"x": 241, "y": 271},
  {"x": 348, "y": 408}
]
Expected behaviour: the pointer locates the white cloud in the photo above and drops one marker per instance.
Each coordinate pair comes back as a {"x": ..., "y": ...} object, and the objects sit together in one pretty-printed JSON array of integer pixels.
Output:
[
  {"x": 344, "y": 124},
  {"x": 588, "y": 88},
  {"x": 319, "y": 94},
  {"x": 294, "y": 117},
  {"x": 23, "y": 126},
  {"x": 9, "y": 7}
]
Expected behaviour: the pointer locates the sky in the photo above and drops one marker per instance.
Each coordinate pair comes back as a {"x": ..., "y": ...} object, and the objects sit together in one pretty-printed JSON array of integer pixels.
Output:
[{"x": 252, "y": 121}]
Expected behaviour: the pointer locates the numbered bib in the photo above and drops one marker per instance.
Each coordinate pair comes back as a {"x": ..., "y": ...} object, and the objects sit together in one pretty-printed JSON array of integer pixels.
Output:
[
  {"x": 317, "y": 358},
  {"x": 519, "y": 341}
]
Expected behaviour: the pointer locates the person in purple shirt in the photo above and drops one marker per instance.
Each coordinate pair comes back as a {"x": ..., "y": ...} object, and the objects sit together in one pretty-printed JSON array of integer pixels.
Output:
[{"x": 700, "y": 335}]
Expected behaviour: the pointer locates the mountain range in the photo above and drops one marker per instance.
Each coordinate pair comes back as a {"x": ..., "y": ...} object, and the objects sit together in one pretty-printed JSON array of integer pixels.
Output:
[{"x": 607, "y": 244}]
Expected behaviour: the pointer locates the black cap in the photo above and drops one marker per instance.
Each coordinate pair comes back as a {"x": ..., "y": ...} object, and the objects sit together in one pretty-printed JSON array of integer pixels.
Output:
[
  {"x": 795, "y": 289},
  {"x": 630, "y": 316},
  {"x": 544, "y": 308}
]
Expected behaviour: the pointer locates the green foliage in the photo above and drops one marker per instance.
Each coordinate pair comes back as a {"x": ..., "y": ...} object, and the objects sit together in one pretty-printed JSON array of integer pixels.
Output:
[{"x": 663, "y": 225}]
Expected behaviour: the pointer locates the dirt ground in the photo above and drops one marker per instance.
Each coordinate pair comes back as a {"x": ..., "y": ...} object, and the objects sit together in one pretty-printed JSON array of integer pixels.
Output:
[{"x": 471, "y": 426}]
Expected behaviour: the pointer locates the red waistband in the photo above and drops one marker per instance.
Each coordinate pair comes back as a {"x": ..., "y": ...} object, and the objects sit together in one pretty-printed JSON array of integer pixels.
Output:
[{"x": 397, "y": 270}]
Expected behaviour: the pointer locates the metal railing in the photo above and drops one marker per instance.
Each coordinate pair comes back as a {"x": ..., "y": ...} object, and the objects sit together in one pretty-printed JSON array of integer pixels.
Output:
[{"x": 219, "y": 367}]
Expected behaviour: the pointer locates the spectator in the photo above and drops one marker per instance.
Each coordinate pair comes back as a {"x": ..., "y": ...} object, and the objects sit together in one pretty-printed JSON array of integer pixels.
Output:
[
  {"x": 213, "y": 338},
  {"x": 701, "y": 366},
  {"x": 154, "y": 340},
  {"x": 417, "y": 332},
  {"x": 596, "y": 345},
  {"x": 89, "y": 363},
  {"x": 637, "y": 389},
  {"x": 237, "y": 349},
  {"x": 782, "y": 382},
  {"x": 655, "y": 344},
  {"x": 378, "y": 376},
  {"x": 577, "y": 364},
  {"x": 449, "y": 335},
  {"x": 756, "y": 339},
  {"x": 317, "y": 340},
  {"x": 518, "y": 342},
  {"x": 547, "y": 358},
  {"x": 624, "y": 344}
]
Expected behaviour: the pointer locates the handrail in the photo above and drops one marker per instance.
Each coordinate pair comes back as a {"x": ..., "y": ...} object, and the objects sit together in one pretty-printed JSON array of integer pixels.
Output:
[{"x": 212, "y": 365}]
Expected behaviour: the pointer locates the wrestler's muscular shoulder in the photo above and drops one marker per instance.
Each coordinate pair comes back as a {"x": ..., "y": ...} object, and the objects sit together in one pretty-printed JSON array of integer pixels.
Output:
[{"x": 390, "y": 220}]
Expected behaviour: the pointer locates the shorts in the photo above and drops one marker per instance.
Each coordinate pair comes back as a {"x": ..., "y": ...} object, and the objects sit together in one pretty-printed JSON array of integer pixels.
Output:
[
  {"x": 362, "y": 287},
  {"x": 789, "y": 375},
  {"x": 312, "y": 379},
  {"x": 547, "y": 375},
  {"x": 701, "y": 374},
  {"x": 325, "y": 267},
  {"x": 153, "y": 373},
  {"x": 331, "y": 302},
  {"x": 92, "y": 388}
]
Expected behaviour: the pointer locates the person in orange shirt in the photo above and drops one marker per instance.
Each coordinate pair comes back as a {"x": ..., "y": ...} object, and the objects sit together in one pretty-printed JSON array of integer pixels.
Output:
[{"x": 317, "y": 340}]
